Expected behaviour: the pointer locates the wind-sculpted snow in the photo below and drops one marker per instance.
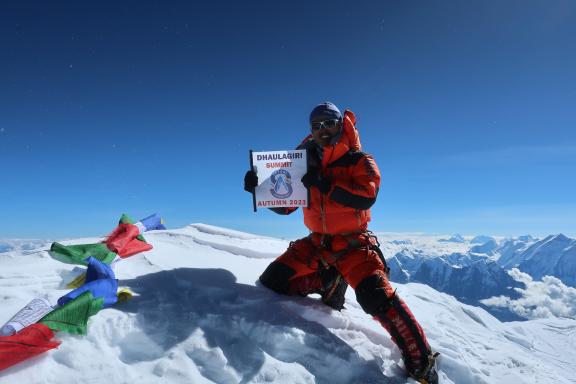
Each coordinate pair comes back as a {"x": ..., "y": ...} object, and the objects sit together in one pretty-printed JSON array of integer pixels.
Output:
[
  {"x": 237, "y": 330},
  {"x": 477, "y": 348},
  {"x": 201, "y": 317},
  {"x": 237, "y": 243},
  {"x": 229, "y": 233}
]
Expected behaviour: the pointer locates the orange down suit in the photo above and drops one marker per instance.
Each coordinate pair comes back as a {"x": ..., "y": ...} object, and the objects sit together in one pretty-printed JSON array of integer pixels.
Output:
[{"x": 338, "y": 220}]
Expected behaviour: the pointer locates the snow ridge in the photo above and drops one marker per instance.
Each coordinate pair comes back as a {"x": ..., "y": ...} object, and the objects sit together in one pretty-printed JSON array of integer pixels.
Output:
[{"x": 200, "y": 316}]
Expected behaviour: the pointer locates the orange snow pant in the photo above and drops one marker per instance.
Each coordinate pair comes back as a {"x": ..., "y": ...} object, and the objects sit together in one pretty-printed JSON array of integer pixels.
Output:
[{"x": 360, "y": 264}]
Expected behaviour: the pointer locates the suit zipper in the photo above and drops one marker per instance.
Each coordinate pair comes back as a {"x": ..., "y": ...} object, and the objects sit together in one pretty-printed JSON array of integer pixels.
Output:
[{"x": 323, "y": 213}]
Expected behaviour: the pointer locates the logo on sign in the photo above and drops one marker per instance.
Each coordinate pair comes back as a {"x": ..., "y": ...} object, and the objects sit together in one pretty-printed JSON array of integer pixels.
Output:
[{"x": 281, "y": 184}]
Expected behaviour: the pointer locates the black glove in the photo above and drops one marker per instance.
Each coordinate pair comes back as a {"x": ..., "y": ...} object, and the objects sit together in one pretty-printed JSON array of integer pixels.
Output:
[
  {"x": 313, "y": 179},
  {"x": 250, "y": 181}
]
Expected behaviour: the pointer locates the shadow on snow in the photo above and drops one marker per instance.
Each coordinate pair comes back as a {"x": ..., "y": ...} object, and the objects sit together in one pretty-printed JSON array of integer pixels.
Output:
[{"x": 244, "y": 321}]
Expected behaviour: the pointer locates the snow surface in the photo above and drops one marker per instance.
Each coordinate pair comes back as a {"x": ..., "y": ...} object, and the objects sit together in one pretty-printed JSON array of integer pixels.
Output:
[{"x": 200, "y": 317}]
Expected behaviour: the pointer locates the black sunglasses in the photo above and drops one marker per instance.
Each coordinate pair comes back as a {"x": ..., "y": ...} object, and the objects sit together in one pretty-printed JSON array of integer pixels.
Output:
[{"x": 329, "y": 124}]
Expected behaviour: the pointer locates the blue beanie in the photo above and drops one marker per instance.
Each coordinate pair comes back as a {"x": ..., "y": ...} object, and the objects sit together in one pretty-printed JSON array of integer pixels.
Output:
[{"x": 325, "y": 111}]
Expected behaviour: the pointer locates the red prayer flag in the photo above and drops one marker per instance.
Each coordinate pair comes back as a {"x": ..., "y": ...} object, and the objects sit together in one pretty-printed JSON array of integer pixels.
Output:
[
  {"x": 31, "y": 341},
  {"x": 123, "y": 241}
]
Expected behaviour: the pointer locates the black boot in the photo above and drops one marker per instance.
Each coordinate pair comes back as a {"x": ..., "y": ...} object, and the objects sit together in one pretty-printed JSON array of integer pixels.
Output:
[
  {"x": 427, "y": 374},
  {"x": 333, "y": 287}
]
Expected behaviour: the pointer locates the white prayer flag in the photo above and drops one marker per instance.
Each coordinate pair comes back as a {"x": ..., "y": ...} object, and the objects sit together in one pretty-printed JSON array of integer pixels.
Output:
[
  {"x": 31, "y": 313},
  {"x": 279, "y": 174}
]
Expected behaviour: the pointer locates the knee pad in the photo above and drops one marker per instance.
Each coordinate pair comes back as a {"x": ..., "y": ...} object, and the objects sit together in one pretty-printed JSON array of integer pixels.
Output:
[
  {"x": 372, "y": 297},
  {"x": 276, "y": 277}
]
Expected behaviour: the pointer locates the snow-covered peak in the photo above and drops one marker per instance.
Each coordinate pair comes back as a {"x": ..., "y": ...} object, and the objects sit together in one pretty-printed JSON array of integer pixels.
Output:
[
  {"x": 487, "y": 248},
  {"x": 481, "y": 239},
  {"x": 200, "y": 317},
  {"x": 457, "y": 238},
  {"x": 525, "y": 238}
]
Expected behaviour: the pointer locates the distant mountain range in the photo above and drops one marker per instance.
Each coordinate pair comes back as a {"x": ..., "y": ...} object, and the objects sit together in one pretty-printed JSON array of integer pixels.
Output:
[
  {"x": 481, "y": 272},
  {"x": 21, "y": 245},
  {"x": 552, "y": 256}
]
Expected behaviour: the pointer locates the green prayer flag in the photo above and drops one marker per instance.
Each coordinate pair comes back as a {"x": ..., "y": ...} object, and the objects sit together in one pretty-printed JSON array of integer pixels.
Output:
[
  {"x": 79, "y": 254},
  {"x": 73, "y": 316}
]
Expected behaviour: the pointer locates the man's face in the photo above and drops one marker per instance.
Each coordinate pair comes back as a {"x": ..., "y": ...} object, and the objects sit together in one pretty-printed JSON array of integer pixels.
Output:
[{"x": 324, "y": 131}]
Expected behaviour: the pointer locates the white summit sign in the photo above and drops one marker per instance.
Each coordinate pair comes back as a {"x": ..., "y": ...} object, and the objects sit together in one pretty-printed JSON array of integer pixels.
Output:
[{"x": 279, "y": 178}]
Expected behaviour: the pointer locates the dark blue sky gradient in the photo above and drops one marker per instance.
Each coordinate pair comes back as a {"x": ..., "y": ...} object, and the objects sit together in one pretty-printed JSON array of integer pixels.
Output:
[{"x": 141, "y": 107}]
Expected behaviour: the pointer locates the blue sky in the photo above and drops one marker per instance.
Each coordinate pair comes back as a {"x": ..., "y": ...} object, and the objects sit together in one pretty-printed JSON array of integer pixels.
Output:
[{"x": 142, "y": 107}]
